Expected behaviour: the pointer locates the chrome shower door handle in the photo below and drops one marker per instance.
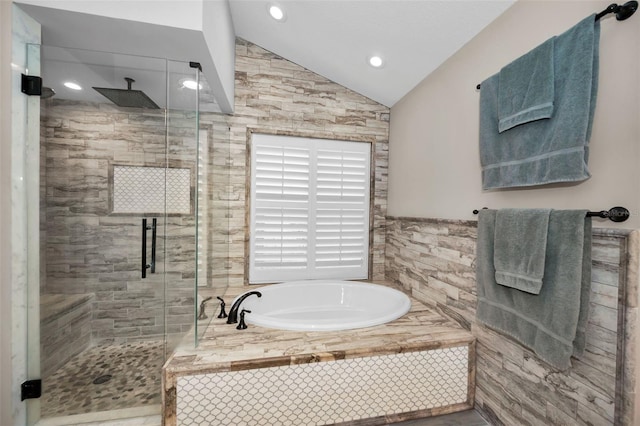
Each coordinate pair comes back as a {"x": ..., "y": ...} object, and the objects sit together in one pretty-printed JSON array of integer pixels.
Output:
[{"x": 145, "y": 228}]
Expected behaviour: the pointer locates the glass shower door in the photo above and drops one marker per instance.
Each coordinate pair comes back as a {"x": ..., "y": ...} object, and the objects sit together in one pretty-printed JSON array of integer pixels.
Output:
[
  {"x": 213, "y": 203},
  {"x": 123, "y": 244},
  {"x": 103, "y": 171},
  {"x": 181, "y": 200},
  {"x": 198, "y": 141}
]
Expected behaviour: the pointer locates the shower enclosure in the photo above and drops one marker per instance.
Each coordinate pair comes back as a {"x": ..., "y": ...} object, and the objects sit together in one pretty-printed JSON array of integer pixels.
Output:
[{"x": 133, "y": 172}]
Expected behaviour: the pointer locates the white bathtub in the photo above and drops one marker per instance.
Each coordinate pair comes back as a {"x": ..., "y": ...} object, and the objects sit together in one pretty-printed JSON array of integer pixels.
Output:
[{"x": 325, "y": 305}]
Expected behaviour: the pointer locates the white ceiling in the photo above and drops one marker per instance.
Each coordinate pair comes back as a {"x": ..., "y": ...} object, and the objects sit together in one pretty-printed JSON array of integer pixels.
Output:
[
  {"x": 140, "y": 49},
  {"x": 334, "y": 38}
]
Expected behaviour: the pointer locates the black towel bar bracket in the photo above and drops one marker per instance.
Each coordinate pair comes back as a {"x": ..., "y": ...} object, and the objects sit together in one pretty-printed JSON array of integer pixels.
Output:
[
  {"x": 622, "y": 12},
  {"x": 614, "y": 214}
]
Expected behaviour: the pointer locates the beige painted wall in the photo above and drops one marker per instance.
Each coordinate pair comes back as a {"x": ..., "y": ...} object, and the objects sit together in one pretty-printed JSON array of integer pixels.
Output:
[{"x": 434, "y": 166}]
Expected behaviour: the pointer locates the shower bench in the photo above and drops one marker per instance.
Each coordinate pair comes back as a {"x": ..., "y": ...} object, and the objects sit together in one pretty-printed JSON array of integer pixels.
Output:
[
  {"x": 65, "y": 327},
  {"x": 417, "y": 366}
]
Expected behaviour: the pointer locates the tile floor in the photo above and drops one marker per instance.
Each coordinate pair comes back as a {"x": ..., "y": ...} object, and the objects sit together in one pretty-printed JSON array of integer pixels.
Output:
[{"x": 135, "y": 371}]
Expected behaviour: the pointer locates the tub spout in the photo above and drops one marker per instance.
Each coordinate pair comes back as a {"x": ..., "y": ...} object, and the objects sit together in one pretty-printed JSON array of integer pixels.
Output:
[{"x": 233, "y": 312}]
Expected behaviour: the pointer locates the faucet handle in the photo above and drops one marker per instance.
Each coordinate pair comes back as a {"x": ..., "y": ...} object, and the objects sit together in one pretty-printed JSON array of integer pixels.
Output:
[
  {"x": 222, "y": 314},
  {"x": 202, "y": 315},
  {"x": 242, "y": 325}
]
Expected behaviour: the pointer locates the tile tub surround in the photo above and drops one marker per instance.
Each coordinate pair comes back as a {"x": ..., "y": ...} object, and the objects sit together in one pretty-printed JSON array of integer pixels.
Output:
[
  {"x": 225, "y": 350},
  {"x": 435, "y": 260},
  {"x": 276, "y": 96}
]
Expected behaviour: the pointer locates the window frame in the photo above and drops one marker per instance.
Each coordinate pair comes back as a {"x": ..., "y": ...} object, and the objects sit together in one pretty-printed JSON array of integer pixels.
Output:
[{"x": 366, "y": 149}]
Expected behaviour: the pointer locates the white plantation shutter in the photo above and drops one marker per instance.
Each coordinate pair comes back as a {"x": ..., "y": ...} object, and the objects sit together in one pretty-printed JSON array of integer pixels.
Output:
[
  {"x": 309, "y": 209},
  {"x": 342, "y": 207}
]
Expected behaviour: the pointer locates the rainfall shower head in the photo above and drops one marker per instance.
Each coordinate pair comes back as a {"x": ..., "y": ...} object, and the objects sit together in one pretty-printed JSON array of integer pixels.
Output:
[{"x": 127, "y": 97}]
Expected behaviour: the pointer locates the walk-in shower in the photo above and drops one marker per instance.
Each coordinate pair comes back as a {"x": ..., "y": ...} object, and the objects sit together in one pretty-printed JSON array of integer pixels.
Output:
[{"x": 113, "y": 172}]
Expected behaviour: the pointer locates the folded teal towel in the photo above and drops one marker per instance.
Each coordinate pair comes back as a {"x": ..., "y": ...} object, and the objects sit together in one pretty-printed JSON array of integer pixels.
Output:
[
  {"x": 526, "y": 88},
  {"x": 520, "y": 247},
  {"x": 555, "y": 149},
  {"x": 553, "y": 322}
]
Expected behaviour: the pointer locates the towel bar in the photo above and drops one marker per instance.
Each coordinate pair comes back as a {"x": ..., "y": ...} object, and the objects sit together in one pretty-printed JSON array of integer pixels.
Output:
[
  {"x": 622, "y": 12},
  {"x": 614, "y": 214}
]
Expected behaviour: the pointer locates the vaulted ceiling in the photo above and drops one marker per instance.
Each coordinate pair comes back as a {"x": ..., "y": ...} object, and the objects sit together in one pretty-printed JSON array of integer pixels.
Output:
[{"x": 335, "y": 38}]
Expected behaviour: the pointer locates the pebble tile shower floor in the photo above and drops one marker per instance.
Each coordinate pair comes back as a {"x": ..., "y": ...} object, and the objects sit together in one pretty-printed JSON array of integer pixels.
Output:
[{"x": 135, "y": 370}]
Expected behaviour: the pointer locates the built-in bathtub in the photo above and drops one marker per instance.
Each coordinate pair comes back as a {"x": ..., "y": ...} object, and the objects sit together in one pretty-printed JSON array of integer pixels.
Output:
[
  {"x": 418, "y": 365},
  {"x": 324, "y": 305}
]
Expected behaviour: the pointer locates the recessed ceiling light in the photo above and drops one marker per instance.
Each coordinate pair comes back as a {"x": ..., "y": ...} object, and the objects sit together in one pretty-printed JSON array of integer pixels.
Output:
[
  {"x": 188, "y": 83},
  {"x": 277, "y": 12},
  {"x": 376, "y": 61},
  {"x": 71, "y": 85}
]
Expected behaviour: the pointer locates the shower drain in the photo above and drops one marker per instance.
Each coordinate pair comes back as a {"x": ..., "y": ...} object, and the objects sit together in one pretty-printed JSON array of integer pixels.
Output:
[{"x": 102, "y": 379}]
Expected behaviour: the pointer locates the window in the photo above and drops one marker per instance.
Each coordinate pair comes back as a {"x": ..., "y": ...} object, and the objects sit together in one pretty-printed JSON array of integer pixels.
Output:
[{"x": 309, "y": 209}]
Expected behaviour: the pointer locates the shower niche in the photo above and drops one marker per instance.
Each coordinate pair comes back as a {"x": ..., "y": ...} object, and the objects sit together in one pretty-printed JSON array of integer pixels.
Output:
[
  {"x": 140, "y": 190},
  {"x": 121, "y": 139}
]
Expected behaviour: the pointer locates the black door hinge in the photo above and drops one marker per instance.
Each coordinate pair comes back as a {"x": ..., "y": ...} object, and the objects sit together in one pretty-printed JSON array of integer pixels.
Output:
[
  {"x": 31, "y": 85},
  {"x": 31, "y": 389}
]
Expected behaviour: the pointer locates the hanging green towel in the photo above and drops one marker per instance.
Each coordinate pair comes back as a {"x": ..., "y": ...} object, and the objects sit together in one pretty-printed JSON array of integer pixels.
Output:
[
  {"x": 520, "y": 247},
  {"x": 526, "y": 88},
  {"x": 553, "y": 322},
  {"x": 552, "y": 150}
]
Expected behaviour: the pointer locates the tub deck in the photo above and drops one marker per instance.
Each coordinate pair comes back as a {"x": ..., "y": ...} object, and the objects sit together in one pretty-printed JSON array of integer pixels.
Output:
[{"x": 225, "y": 349}]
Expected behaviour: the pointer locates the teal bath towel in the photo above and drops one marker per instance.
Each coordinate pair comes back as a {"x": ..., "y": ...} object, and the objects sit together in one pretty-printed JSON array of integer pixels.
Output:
[
  {"x": 554, "y": 149},
  {"x": 553, "y": 322},
  {"x": 526, "y": 88},
  {"x": 520, "y": 247}
]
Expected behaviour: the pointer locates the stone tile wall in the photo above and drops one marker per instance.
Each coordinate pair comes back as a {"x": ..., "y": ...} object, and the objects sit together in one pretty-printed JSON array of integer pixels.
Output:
[
  {"x": 434, "y": 260},
  {"x": 90, "y": 250},
  {"x": 276, "y": 96}
]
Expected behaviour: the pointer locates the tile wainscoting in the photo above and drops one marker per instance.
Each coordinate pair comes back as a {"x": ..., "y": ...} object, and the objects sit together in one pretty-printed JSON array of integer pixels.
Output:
[{"x": 434, "y": 260}]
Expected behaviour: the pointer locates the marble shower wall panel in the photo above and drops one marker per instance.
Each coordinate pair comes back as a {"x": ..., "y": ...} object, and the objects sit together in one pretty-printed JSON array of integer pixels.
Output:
[
  {"x": 276, "y": 96},
  {"x": 435, "y": 261},
  {"x": 91, "y": 250},
  {"x": 24, "y": 196}
]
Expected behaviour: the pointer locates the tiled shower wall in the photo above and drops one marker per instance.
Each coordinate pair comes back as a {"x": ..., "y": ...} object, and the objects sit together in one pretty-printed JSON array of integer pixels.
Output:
[
  {"x": 86, "y": 248},
  {"x": 435, "y": 260},
  {"x": 276, "y": 96}
]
